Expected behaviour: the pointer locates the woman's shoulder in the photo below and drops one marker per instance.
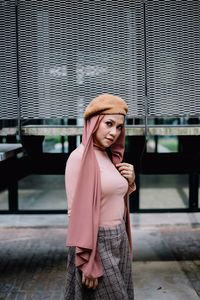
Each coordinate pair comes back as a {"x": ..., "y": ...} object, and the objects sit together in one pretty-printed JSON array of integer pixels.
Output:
[{"x": 77, "y": 154}]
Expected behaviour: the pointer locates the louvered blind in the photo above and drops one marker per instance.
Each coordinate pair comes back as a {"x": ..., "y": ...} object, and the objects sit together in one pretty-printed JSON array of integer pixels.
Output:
[
  {"x": 8, "y": 61},
  {"x": 173, "y": 58},
  {"x": 71, "y": 51}
]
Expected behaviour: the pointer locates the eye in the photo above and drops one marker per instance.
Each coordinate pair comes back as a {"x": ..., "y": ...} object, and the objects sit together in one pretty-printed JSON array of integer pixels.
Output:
[
  {"x": 109, "y": 124},
  {"x": 120, "y": 127}
]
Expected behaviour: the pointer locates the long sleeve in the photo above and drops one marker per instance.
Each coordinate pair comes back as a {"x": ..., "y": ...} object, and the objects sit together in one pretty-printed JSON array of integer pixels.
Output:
[
  {"x": 131, "y": 188},
  {"x": 71, "y": 176}
]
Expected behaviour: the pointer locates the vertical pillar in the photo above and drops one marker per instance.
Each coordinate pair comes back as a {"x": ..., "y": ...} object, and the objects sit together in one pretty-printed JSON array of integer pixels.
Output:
[
  {"x": 13, "y": 197},
  {"x": 193, "y": 191},
  {"x": 135, "y": 149},
  {"x": 71, "y": 139},
  {"x": 189, "y": 145}
]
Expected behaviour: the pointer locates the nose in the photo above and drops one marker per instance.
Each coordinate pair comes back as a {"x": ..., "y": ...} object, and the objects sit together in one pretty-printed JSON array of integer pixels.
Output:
[{"x": 113, "y": 131}]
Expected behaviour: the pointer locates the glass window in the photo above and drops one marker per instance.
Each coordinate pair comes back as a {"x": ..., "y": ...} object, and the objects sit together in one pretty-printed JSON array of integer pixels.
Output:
[
  {"x": 164, "y": 191},
  {"x": 4, "y": 200},
  {"x": 37, "y": 192}
]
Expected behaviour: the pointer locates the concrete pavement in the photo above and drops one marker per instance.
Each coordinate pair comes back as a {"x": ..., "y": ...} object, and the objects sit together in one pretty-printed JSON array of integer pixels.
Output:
[{"x": 165, "y": 249}]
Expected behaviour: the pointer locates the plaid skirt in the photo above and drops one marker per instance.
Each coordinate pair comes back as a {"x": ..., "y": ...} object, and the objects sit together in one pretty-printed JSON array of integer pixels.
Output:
[{"x": 117, "y": 280}]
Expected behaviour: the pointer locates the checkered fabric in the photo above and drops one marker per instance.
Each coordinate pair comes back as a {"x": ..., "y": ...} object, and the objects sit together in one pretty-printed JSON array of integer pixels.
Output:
[{"x": 117, "y": 281}]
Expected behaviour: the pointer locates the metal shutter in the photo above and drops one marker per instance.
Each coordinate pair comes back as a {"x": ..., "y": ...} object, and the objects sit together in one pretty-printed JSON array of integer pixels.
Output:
[
  {"x": 8, "y": 61},
  {"x": 173, "y": 58},
  {"x": 71, "y": 51}
]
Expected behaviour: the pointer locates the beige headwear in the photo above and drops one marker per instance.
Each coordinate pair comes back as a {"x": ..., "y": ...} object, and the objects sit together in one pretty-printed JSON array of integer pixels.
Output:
[{"x": 106, "y": 104}]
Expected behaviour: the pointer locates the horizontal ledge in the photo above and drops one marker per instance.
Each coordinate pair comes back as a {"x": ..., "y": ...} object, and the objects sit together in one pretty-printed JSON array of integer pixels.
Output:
[
  {"x": 8, "y": 131},
  {"x": 131, "y": 130}
]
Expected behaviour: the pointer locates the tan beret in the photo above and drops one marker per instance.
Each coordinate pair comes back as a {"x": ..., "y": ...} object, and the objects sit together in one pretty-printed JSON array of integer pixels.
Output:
[{"x": 106, "y": 104}]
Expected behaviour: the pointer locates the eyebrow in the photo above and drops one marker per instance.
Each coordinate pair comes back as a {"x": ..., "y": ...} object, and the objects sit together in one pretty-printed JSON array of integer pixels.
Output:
[{"x": 121, "y": 124}]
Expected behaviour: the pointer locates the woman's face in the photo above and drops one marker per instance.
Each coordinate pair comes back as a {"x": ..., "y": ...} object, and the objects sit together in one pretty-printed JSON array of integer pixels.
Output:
[{"x": 109, "y": 130}]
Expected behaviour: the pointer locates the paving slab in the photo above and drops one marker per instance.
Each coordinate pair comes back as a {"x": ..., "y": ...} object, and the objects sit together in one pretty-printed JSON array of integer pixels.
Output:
[
  {"x": 166, "y": 256},
  {"x": 162, "y": 281}
]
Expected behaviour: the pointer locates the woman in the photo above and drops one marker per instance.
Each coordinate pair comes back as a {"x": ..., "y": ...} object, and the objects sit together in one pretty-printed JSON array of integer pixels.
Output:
[{"x": 98, "y": 184}]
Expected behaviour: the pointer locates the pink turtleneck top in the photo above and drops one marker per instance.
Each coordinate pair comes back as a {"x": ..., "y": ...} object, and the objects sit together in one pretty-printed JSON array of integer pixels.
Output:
[{"x": 113, "y": 186}]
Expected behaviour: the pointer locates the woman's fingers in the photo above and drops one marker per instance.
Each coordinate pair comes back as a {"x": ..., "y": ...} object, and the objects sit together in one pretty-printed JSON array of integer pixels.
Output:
[
  {"x": 95, "y": 283},
  {"x": 125, "y": 166},
  {"x": 83, "y": 278},
  {"x": 86, "y": 282},
  {"x": 127, "y": 170},
  {"x": 89, "y": 283}
]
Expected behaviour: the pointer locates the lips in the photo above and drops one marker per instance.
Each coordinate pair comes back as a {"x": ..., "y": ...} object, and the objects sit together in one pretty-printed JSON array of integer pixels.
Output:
[{"x": 110, "y": 140}]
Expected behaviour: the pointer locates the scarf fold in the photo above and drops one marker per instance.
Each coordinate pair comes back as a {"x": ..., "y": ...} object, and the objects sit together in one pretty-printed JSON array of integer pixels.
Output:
[{"x": 85, "y": 213}]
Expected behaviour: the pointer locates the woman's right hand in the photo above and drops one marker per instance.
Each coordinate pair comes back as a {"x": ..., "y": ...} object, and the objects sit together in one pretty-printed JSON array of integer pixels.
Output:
[{"x": 90, "y": 283}]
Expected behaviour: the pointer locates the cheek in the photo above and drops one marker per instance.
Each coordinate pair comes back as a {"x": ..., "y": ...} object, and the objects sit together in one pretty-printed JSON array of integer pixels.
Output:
[
  {"x": 98, "y": 135},
  {"x": 117, "y": 136},
  {"x": 102, "y": 130},
  {"x": 118, "y": 133}
]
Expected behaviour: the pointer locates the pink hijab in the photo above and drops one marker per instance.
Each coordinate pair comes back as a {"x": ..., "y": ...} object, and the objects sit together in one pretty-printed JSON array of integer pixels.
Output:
[{"x": 85, "y": 213}]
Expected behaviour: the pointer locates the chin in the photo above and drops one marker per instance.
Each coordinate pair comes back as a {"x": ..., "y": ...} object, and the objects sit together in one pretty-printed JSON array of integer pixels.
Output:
[{"x": 107, "y": 146}]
